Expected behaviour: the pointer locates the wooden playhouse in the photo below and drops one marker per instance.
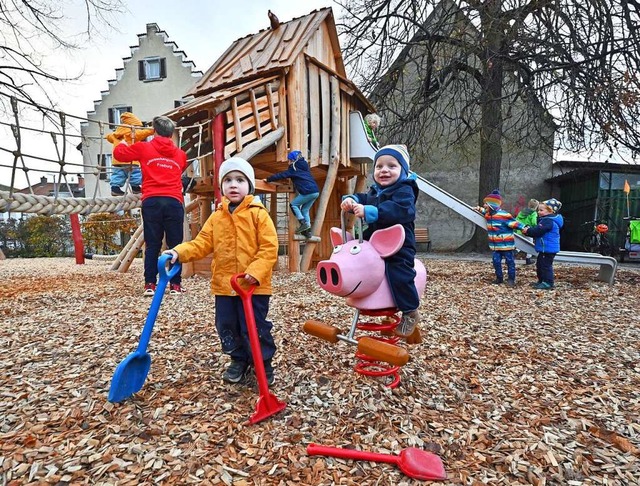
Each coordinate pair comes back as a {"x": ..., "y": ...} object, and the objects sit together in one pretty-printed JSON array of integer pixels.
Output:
[{"x": 282, "y": 89}]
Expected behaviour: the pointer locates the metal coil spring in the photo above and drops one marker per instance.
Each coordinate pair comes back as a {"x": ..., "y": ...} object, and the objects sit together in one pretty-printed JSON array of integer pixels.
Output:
[{"x": 368, "y": 365}]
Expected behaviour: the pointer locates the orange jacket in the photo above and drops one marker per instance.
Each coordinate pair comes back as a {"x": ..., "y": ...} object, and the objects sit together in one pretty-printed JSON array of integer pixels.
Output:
[
  {"x": 244, "y": 241},
  {"x": 128, "y": 134}
]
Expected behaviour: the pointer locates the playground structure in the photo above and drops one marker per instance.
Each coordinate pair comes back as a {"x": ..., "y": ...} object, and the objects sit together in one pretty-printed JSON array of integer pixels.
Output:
[{"x": 280, "y": 89}]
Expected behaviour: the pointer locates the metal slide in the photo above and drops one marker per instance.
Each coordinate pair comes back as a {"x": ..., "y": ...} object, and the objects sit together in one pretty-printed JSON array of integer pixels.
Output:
[
  {"x": 608, "y": 265},
  {"x": 360, "y": 148},
  {"x": 362, "y": 151}
]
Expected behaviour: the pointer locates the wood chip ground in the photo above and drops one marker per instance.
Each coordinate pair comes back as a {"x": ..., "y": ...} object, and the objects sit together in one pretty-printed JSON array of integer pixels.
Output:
[{"x": 510, "y": 385}]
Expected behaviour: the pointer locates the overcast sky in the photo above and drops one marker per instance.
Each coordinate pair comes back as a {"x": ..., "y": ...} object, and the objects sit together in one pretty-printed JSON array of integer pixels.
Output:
[{"x": 203, "y": 29}]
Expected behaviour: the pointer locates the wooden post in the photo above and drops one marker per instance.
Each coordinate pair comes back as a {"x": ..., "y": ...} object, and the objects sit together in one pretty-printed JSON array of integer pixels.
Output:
[
  {"x": 116, "y": 264},
  {"x": 314, "y": 115},
  {"x": 188, "y": 268},
  {"x": 131, "y": 254},
  {"x": 78, "y": 245},
  {"x": 360, "y": 186}
]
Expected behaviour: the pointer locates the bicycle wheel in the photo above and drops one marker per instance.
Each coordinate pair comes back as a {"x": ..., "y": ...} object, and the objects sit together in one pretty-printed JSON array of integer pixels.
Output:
[
  {"x": 605, "y": 246},
  {"x": 590, "y": 244}
]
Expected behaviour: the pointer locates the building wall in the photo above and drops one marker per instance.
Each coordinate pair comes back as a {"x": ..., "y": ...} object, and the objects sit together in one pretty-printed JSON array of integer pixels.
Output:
[
  {"x": 454, "y": 167},
  {"x": 146, "y": 98},
  {"x": 446, "y": 151}
]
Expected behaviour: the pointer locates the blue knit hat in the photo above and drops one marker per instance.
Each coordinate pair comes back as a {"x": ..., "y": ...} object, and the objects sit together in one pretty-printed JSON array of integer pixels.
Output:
[
  {"x": 553, "y": 204},
  {"x": 294, "y": 155},
  {"x": 398, "y": 152}
]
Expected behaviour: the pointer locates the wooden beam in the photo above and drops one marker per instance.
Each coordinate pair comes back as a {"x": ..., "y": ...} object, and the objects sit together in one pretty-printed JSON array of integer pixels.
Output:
[
  {"x": 135, "y": 247},
  {"x": 259, "y": 145},
  {"x": 293, "y": 245},
  {"x": 236, "y": 124},
  {"x": 314, "y": 114},
  {"x": 123, "y": 253},
  {"x": 325, "y": 92},
  {"x": 263, "y": 186},
  {"x": 256, "y": 115},
  {"x": 281, "y": 146},
  {"x": 332, "y": 174},
  {"x": 271, "y": 104}
]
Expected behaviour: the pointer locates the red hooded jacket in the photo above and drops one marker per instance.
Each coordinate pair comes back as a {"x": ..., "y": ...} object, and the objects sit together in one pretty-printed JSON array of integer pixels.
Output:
[{"x": 161, "y": 163}]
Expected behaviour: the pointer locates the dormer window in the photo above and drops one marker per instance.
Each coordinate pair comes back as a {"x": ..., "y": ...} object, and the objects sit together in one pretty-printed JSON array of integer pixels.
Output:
[{"x": 152, "y": 69}]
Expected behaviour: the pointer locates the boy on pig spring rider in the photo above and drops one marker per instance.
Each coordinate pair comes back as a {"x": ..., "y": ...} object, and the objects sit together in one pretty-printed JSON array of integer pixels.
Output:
[{"x": 392, "y": 200}]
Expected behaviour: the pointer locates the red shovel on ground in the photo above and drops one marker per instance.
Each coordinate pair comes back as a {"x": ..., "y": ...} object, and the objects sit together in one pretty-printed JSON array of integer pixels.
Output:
[
  {"x": 268, "y": 404},
  {"x": 413, "y": 462}
]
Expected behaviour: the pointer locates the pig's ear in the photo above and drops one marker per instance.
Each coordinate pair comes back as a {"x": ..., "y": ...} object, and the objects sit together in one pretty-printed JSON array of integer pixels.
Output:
[
  {"x": 388, "y": 241},
  {"x": 336, "y": 236}
]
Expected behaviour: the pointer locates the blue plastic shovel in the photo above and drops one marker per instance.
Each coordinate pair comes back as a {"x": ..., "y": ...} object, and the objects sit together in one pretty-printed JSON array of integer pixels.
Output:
[{"x": 132, "y": 371}]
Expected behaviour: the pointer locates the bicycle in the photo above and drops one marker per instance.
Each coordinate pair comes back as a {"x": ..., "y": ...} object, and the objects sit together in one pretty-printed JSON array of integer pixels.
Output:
[{"x": 597, "y": 241}]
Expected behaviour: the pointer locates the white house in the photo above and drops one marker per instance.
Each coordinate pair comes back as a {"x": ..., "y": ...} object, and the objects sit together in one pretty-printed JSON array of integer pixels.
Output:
[{"x": 152, "y": 81}]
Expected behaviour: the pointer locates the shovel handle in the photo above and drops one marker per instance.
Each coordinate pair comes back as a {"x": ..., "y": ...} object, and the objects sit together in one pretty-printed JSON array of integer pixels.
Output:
[
  {"x": 235, "y": 284},
  {"x": 163, "y": 279},
  {"x": 318, "y": 450},
  {"x": 162, "y": 268}
]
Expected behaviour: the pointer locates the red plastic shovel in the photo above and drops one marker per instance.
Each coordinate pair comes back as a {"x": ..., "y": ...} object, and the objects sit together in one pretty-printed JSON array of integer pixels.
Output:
[
  {"x": 268, "y": 404},
  {"x": 413, "y": 462}
]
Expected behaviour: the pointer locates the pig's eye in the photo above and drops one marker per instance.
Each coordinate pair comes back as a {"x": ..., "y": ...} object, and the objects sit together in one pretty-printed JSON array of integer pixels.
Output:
[
  {"x": 337, "y": 248},
  {"x": 355, "y": 249}
]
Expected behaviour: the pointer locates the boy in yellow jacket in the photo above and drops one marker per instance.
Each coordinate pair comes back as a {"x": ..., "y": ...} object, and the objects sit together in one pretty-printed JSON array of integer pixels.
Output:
[
  {"x": 243, "y": 239},
  {"x": 119, "y": 169}
]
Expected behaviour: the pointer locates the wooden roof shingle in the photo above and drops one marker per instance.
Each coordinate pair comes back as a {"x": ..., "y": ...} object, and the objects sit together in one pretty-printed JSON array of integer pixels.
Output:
[{"x": 265, "y": 51}]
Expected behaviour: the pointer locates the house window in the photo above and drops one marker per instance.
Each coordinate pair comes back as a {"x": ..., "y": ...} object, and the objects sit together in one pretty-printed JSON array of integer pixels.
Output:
[
  {"x": 114, "y": 115},
  {"x": 152, "y": 69},
  {"x": 104, "y": 166}
]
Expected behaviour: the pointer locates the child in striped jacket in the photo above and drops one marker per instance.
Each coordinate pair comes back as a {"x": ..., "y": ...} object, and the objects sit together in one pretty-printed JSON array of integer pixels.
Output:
[{"x": 500, "y": 228}]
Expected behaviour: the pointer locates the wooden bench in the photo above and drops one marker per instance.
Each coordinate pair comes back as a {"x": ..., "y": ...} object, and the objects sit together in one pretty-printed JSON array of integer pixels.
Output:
[{"x": 422, "y": 238}]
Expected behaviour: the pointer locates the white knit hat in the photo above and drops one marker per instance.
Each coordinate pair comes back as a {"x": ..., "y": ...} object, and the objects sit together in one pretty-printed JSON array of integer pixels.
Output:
[{"x": 241, "y": 165}]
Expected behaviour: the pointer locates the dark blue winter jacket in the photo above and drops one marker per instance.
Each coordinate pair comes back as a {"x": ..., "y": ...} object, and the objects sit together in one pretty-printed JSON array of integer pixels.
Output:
[
  {"x": 547, "y": 233},
  {"x": 384, "y": 207},
  {"x": 300, "y": 175}
]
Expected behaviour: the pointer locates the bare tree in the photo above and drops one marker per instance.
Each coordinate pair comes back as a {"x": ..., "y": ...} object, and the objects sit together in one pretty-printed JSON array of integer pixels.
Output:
[
  {"x": 576, "y": 60},
  {"x": 28, "y": 26}
]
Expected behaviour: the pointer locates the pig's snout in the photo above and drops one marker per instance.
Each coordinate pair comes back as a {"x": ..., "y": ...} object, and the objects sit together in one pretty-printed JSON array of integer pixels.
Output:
[{"x": 329, "y": 278}]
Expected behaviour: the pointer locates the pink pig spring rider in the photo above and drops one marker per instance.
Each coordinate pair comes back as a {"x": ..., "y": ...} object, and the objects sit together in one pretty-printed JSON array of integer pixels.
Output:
[{"x": 356, "y": 271}]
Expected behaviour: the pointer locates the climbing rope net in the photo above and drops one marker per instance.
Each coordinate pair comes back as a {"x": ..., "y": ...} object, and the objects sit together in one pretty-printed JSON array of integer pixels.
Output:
[{"x": 24, "y": 149}]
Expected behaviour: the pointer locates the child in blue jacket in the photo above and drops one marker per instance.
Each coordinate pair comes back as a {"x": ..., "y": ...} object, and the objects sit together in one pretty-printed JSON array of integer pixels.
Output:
[
  {"x": 392, "y": 200},
  {"x": 547, "y": 237},
  {"x": 306, "y": 187}
]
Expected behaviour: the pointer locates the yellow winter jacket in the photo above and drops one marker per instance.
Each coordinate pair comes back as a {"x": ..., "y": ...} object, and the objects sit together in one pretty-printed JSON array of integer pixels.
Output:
[
  {"x": 244, "y": 241},
  {"x": 127, "y": 134}
]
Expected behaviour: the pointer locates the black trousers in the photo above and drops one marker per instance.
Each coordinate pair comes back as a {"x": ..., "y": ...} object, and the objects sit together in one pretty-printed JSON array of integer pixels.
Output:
[
  {"x": 544, "y": 267},
  {"x": 232, "y": 327},
  {"x": 161, "y": 217},
  {"x": 401, "y": 276}
]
